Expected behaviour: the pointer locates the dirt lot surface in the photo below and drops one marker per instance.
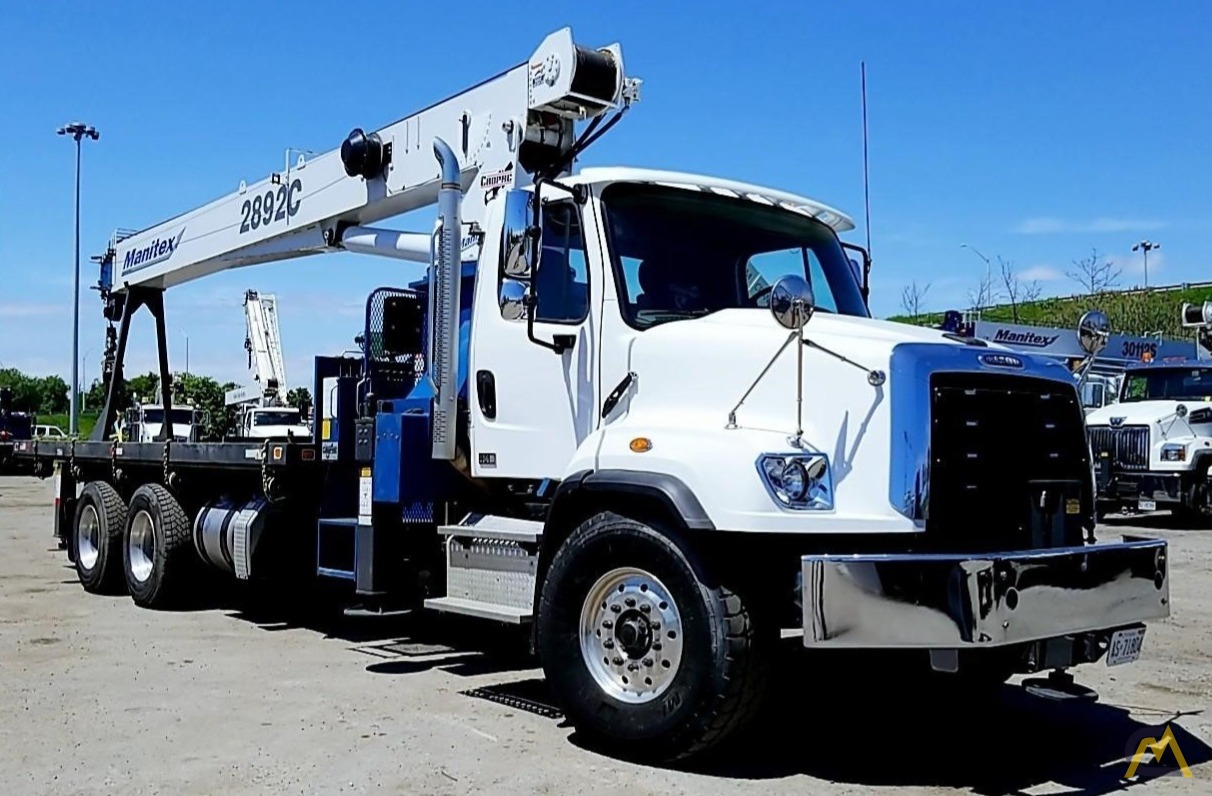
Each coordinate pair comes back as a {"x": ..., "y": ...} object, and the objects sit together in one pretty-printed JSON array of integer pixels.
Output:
[{"x": 258, "y": 695}]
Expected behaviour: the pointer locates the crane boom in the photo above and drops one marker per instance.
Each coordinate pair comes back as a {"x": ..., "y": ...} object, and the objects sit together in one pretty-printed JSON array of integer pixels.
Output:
[
  {"x": 460, "y": 153},
  {"x": 264, "y": 345},
  {"x": 502, "y": 131}
]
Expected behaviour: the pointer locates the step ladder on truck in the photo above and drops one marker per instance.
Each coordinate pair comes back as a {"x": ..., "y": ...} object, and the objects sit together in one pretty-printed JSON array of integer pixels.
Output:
[{"x": 534, "y": 435}]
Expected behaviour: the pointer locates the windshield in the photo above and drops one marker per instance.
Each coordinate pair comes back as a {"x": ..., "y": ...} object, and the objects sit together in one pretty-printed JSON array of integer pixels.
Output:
[
  {"x": 180, "y": 416},
  {"x": 1179, "y": 384},
  {"x": 683, "y": 254},
  {"x": 284, "y": 417}
]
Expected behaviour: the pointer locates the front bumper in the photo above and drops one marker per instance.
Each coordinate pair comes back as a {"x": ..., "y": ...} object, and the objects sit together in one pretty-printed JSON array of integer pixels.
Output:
[
  {"x": 1131, "y": 486},
  {"x": 952, "y": 601}
]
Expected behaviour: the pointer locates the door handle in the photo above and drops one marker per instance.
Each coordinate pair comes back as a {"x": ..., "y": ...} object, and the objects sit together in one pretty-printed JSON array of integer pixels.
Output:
[{"x": 486, "y": 393}]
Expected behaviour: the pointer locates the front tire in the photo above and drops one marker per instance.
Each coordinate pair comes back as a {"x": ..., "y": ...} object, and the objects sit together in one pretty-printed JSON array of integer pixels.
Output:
[
  {"x": 157, "y": 549},
  {"x": 649, "y": 656},
  {"x": 97, "y": 538}
]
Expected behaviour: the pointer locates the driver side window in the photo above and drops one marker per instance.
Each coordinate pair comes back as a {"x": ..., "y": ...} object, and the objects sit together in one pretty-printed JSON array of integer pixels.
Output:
[
  {"x": 562, "y": 280},
  {"x": 764, "y": 270}
]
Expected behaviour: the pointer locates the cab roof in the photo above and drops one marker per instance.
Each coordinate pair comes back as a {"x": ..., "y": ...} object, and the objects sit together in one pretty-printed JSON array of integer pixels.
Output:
[{"x": 831, "y": 217}]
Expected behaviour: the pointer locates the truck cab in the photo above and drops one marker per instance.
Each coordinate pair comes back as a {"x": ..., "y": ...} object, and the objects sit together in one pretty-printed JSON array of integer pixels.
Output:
[
  {"x": 1153, "y": 448},
  {"x": 144, "y": 423},
  {"x": 271, "y": 422}
]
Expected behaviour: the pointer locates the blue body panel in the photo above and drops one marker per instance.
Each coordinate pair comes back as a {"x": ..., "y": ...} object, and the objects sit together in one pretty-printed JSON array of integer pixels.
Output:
[{"x": 405, "y": 473}]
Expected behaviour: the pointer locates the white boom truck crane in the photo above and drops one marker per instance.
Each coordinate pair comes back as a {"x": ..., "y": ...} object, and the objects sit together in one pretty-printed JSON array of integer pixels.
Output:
[
  {"x": 262, "y": 411},
  {"x": 1153, "y": 448},
  {"x": 646, "y": 413}
]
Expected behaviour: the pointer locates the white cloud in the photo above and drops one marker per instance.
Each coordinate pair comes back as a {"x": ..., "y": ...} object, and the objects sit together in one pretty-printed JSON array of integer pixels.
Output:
[
  {"x": 1133, "y": 263},
  {"x": 1053, "y": 226},
  {"x": 1041, "y": 273},
  {"x": 32, "y": 310}
]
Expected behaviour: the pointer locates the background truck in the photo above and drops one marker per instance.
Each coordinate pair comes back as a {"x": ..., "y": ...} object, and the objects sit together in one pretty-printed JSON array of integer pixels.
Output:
[
  {"x": 645, "y": 413},
  {"x": 1153, "y": 449},
  {"x": 14, "y": 426},
  {"x": 261, "y": 410}
]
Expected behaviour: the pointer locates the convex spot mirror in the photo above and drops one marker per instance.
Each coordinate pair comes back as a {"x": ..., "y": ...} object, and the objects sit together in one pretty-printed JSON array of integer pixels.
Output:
[
  {"x": 512, "y": 299},
  {"x": 1093, "y": 331},
  {"x": 792, "y": 302}
]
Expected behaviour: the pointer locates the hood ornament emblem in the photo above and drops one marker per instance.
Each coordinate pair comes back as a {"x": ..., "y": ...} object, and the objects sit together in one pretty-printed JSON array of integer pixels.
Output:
[{"x": 1118, "y": 421}]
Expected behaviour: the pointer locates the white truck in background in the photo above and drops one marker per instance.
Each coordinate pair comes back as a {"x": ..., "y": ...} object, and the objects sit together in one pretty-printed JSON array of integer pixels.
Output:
[
  {"x": 144, "y": 422},
  {"x": 261, "y": 410},
  {"x": 1153, "y": 447}
]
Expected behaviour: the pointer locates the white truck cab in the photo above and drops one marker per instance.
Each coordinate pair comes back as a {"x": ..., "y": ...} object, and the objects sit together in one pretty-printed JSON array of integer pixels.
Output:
[
  {"x": 1153, "y": 448},
  {"x": 272, "y": 422},
  {"x": 144, "y": 422}
]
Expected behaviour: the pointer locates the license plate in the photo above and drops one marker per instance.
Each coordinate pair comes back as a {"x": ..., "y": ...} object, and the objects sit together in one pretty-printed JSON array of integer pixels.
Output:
[
  {"x": 1147, "y": 505},
  {"x": 1125, "y": 646}
]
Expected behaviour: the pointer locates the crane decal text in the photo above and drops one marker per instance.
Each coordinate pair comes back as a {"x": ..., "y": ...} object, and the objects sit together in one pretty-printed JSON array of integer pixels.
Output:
[
  {"x": 157, "y": 251},
  {"x": 272, "y": 207}
]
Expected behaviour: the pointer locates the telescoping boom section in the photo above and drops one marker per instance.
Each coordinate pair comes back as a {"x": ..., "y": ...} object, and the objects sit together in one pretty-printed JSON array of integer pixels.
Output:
[{"x": 506, "y": 132}]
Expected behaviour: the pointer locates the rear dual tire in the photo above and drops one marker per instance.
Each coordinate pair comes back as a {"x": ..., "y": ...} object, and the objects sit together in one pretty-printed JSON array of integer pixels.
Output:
[
  {"x": 97, "y": 532},
  {"x": 157, "y": 550}
]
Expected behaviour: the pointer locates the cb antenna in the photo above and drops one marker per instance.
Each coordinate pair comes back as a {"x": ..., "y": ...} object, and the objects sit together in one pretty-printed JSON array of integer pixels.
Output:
[{"x": 866, "y": 182}]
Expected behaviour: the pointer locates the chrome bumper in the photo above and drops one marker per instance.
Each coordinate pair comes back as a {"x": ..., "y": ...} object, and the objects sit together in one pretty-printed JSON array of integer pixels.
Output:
[{"x": 966, "y": 601}]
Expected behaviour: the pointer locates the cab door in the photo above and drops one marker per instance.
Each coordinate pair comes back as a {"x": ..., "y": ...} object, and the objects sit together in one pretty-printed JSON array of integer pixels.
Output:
[{"x": 530, "y": 405}]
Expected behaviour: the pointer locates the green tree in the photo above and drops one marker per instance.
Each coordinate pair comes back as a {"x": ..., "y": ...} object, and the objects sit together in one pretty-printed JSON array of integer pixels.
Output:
[
  {"x": 53, "y": 395},
  {"x": 26, "y": 395},
  {"x": 300, "y": 398},
  {"x": 208, "y": 395}
]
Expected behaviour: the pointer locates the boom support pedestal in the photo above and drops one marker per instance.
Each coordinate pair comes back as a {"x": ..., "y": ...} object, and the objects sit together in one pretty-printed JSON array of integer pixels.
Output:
[{"x": 153, "y": 299}]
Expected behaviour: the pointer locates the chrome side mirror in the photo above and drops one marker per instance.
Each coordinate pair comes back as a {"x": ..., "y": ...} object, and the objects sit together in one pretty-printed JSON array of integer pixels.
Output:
[
  {"x": 512, "y": 299},
  {"x": 518, "y": 248},
  {"x": 792, "y": 302},
  {"x": 1093, "y": 331}
]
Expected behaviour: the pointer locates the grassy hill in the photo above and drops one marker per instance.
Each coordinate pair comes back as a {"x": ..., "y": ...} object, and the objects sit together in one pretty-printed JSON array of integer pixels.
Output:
[{"x": 1135, "y": 311}]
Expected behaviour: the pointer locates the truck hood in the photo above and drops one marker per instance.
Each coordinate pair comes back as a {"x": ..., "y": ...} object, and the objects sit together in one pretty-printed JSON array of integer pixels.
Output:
[
  {"x": 732, "y": 348},
  {"x": 1161, "y": 416}
]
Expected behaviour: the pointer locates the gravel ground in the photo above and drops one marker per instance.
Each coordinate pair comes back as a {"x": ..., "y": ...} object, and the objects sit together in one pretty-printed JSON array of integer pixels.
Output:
[{"x": 261, "y": 695}]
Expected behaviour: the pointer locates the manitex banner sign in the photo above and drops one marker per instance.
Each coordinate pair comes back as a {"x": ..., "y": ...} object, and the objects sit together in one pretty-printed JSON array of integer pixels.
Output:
[{"x": 1063, "y": 343}]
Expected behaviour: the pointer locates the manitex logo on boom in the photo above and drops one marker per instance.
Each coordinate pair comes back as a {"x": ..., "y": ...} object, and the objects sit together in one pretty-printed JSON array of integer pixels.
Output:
[
  {"x": 1024, "y": 338},
  {"x": 159, "y": 250}
]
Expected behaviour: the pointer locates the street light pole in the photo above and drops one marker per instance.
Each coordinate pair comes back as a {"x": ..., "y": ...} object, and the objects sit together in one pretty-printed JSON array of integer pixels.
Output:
[
  {"x": 77, "y": 130},
  {"x": 186, "y": 353},
  {"x": 1146, "y": 246}
]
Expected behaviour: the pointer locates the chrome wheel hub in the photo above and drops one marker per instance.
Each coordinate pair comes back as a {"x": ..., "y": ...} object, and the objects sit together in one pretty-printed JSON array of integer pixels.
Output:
[
  {"x": 88, "y": 537},
  {"x": 141, "y": 551},
  {"x": 631, "y": 635}
]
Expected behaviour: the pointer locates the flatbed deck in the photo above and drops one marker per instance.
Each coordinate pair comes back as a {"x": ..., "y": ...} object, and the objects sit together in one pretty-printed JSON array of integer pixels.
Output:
[{"x": 251, "y": 454}]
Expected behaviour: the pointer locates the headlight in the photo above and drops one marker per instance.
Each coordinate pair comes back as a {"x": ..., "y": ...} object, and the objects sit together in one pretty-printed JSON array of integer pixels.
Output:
[
  {"x": 800, "y": 481},
  {"x": 1174, "y": 453}
]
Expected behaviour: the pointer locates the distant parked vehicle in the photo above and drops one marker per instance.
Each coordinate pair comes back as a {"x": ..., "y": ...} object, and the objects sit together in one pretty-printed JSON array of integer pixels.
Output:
[{"x": 49, "y": 432}]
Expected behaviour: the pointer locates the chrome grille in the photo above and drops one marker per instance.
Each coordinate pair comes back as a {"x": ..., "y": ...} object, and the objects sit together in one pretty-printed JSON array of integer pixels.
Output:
[
  {"x": 1127, "y": 446},
  {"x": 1002, "y": 446}
]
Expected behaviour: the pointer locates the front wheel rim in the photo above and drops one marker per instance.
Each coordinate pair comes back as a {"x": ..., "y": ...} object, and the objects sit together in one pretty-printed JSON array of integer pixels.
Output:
[
  {"x": 88, "y": 537},
  {"x": 141, "y": 550},
  {"x": 631, "y": 635}
]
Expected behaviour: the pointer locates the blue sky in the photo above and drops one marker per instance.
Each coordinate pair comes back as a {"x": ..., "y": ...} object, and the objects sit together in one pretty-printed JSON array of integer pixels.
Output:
[{"x": 1030, "y": 130}]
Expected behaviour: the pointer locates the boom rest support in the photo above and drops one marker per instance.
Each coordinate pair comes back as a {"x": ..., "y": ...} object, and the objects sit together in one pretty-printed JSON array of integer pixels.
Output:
[{"x": 153, "y": 299}]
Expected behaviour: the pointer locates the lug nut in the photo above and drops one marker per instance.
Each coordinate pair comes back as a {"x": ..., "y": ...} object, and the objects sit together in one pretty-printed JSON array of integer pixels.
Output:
[
  {"x": 648, "y": 661},
  {"x": 616, "y": 608},
  {"x": 633, "y": 667},
  {"x": 645, "y": 608},
  {"x": 608, "y": 644},
  {"x": 618, "y": 661},
  {"x": 630, "y": 602},
  {"x": 606, "y": 623},
  {"x": 656, "y": 645}
]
